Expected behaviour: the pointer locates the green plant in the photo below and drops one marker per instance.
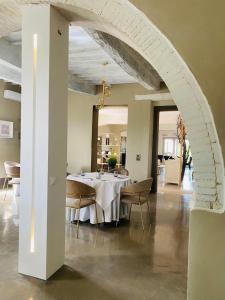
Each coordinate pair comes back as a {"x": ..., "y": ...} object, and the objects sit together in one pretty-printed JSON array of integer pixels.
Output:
[{"x": 112, "y": 162}]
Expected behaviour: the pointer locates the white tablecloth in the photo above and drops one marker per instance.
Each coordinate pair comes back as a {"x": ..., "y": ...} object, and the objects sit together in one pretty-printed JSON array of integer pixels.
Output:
[{"x": 107, "y": 197}]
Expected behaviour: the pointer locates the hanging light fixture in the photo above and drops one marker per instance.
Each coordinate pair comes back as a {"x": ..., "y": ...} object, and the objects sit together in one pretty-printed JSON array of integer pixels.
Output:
[{"x": 106, "y": 91}]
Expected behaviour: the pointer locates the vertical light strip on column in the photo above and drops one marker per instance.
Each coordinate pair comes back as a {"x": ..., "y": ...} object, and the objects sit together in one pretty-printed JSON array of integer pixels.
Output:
[{"x": 32, "y": 233}]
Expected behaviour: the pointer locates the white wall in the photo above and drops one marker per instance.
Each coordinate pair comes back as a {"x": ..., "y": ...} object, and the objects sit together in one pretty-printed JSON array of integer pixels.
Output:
[
  {"x": 9, "y": 148},
  {"x": 138, "y": 135}
]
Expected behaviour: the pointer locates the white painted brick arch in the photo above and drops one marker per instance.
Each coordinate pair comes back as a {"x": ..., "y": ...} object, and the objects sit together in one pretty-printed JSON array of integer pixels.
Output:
[{"x": 122, "y": 19}]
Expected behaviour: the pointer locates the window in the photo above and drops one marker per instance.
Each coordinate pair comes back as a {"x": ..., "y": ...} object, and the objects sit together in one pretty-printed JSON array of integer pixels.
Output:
[{"x": 170, "y": 146}]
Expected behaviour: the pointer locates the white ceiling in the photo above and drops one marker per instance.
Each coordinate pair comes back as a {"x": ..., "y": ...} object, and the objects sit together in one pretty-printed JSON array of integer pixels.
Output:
[
  {"x": 113, "y": 115},
  {"x": 87, "y": 59},
  {"x": 90, "y": 61}
]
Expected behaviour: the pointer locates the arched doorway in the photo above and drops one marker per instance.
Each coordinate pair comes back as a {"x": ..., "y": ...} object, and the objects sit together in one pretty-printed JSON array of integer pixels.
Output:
[{"x": 124, "y": 21}]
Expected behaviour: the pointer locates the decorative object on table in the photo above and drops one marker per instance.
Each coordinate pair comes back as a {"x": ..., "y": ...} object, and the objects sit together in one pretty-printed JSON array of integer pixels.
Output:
[
  {"x": 82, "y": 173},
  {"x": 115, "y": 173},
  {"x": 112, "y": 161},
  {"x": 137, "y": 194},
  {"x": 181, "y": 135},
  {"x": 12, "y": 170},
  {"x": 6, "y": 129},
  {"x": 106, "y": 92},
  {"x": 80, "y": 195},
  {"x": 98, "y": 174}
]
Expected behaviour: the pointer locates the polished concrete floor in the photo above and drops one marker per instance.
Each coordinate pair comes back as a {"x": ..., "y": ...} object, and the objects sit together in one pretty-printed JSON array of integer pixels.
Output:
[
  {"x": 109, "y": 263},
  {"x": 187, "y": 186}
]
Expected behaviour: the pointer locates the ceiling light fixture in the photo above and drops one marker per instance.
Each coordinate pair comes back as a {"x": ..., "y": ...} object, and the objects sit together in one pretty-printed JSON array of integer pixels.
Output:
[{"x": 106, "y": 92}]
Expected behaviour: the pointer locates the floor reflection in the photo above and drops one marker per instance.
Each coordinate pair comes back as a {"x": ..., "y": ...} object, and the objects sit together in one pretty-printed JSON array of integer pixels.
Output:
[
  {"x": 110, "y": 263},
  {"x": 187, "y": 186}
]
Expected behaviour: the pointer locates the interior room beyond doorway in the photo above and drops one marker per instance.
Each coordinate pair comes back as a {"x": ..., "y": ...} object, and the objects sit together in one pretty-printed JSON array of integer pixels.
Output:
[
  {"x": 173, "y": 155},
  {"x": 112, "y": 136}
]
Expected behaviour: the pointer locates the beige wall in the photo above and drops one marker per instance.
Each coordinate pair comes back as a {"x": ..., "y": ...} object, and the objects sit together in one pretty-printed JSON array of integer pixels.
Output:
[
  {"x": 196, "y": 29},
  {"x": 9, "y": 148},
  {"x": 138, "y": 134},
  {"x": 206, "y": 256},
  {"x": 79, "y": 131}
]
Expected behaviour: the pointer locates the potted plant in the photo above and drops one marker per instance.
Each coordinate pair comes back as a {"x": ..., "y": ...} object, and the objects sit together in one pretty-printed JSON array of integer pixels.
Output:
[{"x": 112, "y": 162}]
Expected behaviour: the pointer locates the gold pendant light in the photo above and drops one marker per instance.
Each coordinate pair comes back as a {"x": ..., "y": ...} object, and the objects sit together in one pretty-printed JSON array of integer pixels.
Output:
[{"x": 106, "y": 92}]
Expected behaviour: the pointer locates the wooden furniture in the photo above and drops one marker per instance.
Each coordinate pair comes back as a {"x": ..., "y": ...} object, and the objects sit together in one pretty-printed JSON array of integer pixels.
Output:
[
  {"x": 12, "y": 170},
  {"x": 173, "y": 171},
  {"x": 137, "y": 194},
  {"x": 80, "y": 195}
]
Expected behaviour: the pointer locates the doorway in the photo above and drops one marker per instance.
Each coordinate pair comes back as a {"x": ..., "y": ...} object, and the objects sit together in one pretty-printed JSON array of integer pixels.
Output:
[
  {"x": 171, "y": 159},
  {"x": 109, "y": 136}
]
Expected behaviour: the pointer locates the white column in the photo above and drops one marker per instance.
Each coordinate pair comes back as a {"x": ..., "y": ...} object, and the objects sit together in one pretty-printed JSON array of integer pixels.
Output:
[{"x": 43, "y": 144}]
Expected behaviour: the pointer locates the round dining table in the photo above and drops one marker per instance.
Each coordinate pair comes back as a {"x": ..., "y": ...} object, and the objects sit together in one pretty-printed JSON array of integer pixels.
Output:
[{"x": 109, "y": 207}]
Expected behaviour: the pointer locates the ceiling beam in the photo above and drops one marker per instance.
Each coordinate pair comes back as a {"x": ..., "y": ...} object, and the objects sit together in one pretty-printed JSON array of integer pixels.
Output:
[
  {"x": 79, "y": 85},
  {"x": 10, "y": 53},
  {"x": 10, "y": 62},
  {"x": 161, "y": 95},
  {"x": 128, "y": 59},
  {"x": 11, "y": 95},
  {"x": 10, "y": 69},
  {"x": 9, "y": 72}
]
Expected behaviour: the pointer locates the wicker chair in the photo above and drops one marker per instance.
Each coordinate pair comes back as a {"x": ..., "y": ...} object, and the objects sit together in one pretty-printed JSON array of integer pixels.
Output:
[
  {"x": 137, "y": 194},
  {"x": 80, "y": 195},
  {"x": 12, "y": 170},
  {"x": 121, "y": 171}
]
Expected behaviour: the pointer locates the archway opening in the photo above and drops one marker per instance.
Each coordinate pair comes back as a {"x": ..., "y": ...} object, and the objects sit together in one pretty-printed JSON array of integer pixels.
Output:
[{"x": 131, "y": 26}]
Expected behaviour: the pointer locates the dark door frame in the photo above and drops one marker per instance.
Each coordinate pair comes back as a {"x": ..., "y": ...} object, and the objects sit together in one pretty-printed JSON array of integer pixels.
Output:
[
  {"x": 95, "y": 114},
  {"x": 94, "y": 139},
  {"x": 155, "y": 140}
]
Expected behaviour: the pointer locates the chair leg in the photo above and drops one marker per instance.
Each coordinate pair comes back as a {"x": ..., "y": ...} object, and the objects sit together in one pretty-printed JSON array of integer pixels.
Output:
[
  {"x": 130, "y": 211},
  {"x": 78, "y": 222},
  {"x": 6, "y": 189},
  {"x": 4, "y": 184},
  {"x": 148, "y": 210},
  {"x": 142, "y": 222}
]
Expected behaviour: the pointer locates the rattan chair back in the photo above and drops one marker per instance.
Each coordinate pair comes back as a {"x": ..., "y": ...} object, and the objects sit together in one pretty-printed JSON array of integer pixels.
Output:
[
  {"x": 76, "y": 189},
  {"x": 139, "y": 187},
  {"x": 12, "y": 169}
]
